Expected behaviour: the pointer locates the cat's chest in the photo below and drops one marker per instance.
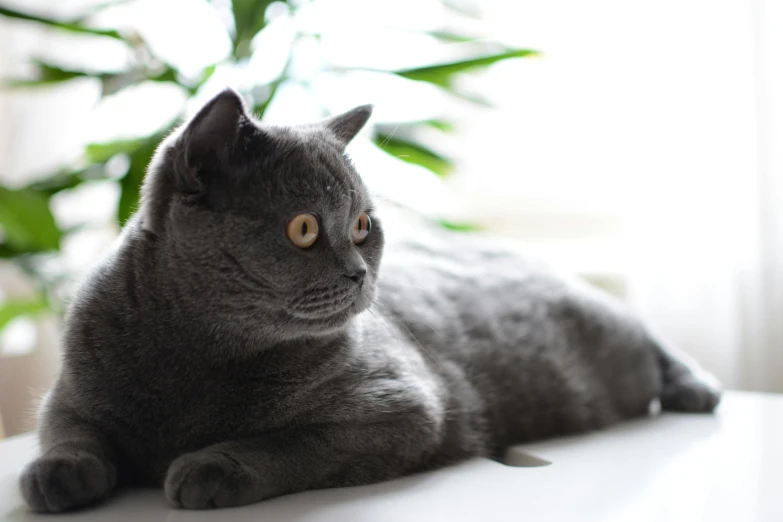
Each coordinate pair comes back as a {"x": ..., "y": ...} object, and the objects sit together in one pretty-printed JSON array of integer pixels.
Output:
[
  {"x": 204, "y": 400},
  {"x": 154, "y": 421}
]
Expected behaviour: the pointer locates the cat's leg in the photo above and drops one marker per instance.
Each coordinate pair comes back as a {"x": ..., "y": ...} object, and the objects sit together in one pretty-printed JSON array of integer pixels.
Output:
[
  {"x": 634, "y": 364},
  {"x": 686, "y": 386},
  {"x": 245, "y": 471},
  {"x": 77, "y": 466}
]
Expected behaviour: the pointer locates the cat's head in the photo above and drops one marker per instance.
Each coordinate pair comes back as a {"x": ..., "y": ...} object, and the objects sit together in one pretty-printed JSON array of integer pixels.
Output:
[{"x": 269, "y": 229}]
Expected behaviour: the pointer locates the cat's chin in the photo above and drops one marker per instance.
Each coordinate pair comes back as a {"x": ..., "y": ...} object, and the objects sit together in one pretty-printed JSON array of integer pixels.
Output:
[{"x": 336, "y": 321}]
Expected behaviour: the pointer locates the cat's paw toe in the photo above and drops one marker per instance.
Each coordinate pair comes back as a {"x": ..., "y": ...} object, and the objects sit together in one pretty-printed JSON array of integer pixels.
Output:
[
  {"x": 692, "y": 393},
  {"x": 205, "y": 480},
  {"x": 61, "y": 481}
]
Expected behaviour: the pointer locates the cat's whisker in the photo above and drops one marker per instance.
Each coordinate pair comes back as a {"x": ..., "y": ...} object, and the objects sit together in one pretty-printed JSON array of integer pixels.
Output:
[
  {"x": 380, "y": 302},
  {"x": 389, "y": 137},
  {"x": 396, "y": 283},
  {"x": 251, "y": 285},
  {"x": 409, "y": 285}
]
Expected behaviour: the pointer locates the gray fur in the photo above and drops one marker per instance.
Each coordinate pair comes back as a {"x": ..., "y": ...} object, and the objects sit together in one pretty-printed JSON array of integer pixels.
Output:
[{"x": 210, "y": 356}]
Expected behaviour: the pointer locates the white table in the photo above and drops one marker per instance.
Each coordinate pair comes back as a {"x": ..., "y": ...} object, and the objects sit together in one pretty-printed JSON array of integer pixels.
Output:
[{"x": 727, "y": 467}]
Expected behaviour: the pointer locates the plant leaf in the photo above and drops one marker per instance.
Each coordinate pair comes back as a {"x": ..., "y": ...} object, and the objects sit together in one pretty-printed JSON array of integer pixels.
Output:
[
  {"x": 458, "y": 227},
  {"x": 259, "y": 109},
  {"x": 27, "y": 221},
  {"x": 169, "y": 74},
  {"x": 75, "y": 27},
  {"x": 448, "y": 36},
  {"x": 111, "y": 82},
  {"x": 10, "y": 310},
  {"x": 48, "y": 73},
  {"x": 102, "y": 152},
  {"x": 441, "y": 125},
  {"x": 248, "y": 21},
  {"x": 7, "y": 252},
  {"x": 407, "y": 127},
  {"x": 416, "y": 154},
  {"x": 442, "y": 74},
  {"x": 206, "y": 74},
  {"x": 130, "y": 184},
  {"x": 57, "y": 182}
]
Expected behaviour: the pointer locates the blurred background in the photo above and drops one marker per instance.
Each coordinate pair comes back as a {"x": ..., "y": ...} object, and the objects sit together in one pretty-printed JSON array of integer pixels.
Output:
[{"x": 638, "y": 144}]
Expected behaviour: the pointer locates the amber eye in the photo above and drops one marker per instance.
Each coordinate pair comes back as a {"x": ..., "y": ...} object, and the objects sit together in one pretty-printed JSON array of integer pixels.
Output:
[
  {"x": 303, "y": 230},
  {"x": 361, "y": 227}
]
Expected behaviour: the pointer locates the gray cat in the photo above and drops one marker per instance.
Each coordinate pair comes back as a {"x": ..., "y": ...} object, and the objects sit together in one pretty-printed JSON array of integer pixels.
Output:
[{"x": 243, "y": 341}]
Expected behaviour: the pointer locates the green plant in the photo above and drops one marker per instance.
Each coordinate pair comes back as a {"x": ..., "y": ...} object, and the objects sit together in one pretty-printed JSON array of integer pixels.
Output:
[{"x": 28, "y": 230}]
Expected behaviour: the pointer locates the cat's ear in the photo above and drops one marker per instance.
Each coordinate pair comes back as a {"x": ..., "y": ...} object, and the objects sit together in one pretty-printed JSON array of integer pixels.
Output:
[
  {"x": 347, "y": 125},
  {"x": 211, "y": 134}
]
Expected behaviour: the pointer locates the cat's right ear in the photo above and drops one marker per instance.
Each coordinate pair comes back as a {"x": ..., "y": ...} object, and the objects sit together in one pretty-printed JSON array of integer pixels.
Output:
[{"x": 209, "y": 138}]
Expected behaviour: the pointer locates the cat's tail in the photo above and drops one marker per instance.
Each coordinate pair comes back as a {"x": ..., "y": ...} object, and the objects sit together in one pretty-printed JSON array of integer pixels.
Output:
[{"x": 686, "y": 386}]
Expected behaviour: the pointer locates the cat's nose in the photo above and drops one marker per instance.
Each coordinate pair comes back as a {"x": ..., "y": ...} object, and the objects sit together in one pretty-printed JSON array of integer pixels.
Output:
[{"x": 357, "y": 276}]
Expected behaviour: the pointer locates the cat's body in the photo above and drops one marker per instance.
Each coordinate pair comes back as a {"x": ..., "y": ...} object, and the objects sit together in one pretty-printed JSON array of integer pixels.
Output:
[{"x": 205, "y": 369}]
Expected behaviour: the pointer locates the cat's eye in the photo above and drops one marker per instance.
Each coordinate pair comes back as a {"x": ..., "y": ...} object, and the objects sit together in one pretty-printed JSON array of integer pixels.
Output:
[
  {"x": 361, "y": 227},
  {"x": 303, "y": 230}
]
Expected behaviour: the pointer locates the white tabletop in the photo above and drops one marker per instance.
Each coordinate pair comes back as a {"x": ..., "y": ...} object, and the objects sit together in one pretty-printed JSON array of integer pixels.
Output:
[{"x": 727, "y": 467}]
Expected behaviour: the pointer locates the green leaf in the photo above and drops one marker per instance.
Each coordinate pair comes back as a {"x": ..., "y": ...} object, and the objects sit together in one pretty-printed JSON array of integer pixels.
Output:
[
  {"x": 10, "y": 310},
  {"x": 111, "y": 82},
  {"x": 57, "y": 182},
  {"x": 206, "y": 74},
  {"x": 441, "y": 125},
  {"x": 259, "y": 109},
  {"x": 474, "y": 98},
  {"x": 407, "y": 127},
  {"x": 102, "y": 152},
  {"x": 76, "y": 27},
  {"x": 27, "y": 221},
  {"x": 442, "y": 74},
  {"x": 448, "y": 36},
  {"x": 169, "y": 74},
  {"x": 248, "y": 21},
  {"x": 7, "y": 252},
  {"x": 130, "y": 184},
  {"x": 458, "y": 227},
  {"x": 416, "y": 154},
  {"x": 47, "y": 74}
]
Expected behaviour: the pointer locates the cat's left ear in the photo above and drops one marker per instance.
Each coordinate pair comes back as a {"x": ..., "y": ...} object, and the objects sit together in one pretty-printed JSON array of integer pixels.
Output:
[
  {"x": 215, "y": 126},
  {"x": 347, "y": 125},
  {"x": 208, "y": 139}
]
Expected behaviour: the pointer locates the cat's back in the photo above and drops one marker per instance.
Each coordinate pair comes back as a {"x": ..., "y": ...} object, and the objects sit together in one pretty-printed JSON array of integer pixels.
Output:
[{"x": 463, "y": 283}]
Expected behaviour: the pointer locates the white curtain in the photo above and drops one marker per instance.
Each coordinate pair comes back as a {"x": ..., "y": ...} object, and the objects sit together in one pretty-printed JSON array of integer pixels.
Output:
[
  {"x": 645, "y": 148},
  {"x": 763, "y": 335},
  {"x": 710, "y": 239}
]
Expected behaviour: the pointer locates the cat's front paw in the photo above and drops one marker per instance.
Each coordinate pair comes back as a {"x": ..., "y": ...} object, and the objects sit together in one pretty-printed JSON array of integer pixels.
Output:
[
  {"x": 62, "y": 480},
  {"x": 206, "y": 479}
]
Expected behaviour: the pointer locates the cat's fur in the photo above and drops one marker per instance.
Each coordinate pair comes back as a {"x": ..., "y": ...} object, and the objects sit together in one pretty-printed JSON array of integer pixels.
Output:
[{"x": 211, "y": 356}]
